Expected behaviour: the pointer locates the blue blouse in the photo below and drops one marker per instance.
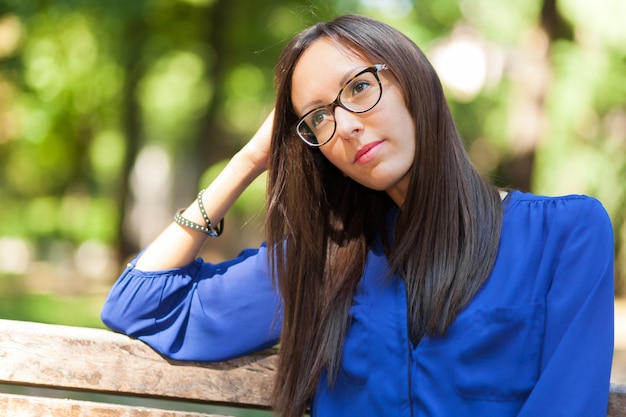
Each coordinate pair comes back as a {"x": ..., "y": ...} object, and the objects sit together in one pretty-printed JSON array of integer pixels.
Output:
[{"x": 537, "y": 339}]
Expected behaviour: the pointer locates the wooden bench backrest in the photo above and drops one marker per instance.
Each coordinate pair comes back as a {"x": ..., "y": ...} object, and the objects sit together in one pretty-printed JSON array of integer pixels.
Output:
[{"x": 99, "y": 361}]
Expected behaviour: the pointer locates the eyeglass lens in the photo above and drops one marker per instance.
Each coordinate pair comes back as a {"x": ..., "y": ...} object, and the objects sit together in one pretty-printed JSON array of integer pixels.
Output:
[{"x": 359, "y": 95}]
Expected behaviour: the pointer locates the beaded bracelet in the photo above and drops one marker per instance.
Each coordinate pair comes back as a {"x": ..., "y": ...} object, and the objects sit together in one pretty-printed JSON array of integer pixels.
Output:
[{"x": 208, "y": 229}]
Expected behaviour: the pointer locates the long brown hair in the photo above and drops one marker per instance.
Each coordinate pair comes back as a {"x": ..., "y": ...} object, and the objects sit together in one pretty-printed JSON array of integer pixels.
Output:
[{"x": 320, "y": 224}]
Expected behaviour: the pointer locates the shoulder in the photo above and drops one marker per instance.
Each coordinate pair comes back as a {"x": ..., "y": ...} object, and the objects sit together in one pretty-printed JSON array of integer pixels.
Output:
[
  {"x": 571, "y": 223},
  {"x": 562, "y": 210},
  {"x": 545, "y": 236}
]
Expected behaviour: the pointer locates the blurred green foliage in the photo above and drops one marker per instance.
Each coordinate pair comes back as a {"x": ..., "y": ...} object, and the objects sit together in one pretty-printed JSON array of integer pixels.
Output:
[{"x": 536, "y": 86}]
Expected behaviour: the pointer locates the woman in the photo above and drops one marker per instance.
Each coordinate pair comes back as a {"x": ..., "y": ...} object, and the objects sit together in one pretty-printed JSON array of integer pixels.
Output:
[{"x": 405, "y": 284}]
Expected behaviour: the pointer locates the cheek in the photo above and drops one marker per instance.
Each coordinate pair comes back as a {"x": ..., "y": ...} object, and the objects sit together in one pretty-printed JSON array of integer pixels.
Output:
[{"x": 334, "y": 152}]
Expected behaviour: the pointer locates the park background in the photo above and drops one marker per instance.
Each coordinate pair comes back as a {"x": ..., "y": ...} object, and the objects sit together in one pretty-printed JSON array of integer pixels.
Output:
[{"x": 114, "y": 113}]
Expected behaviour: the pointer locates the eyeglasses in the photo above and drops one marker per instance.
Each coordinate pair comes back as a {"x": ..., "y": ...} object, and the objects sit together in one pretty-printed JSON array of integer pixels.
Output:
[{"x": 358, "y": 95}]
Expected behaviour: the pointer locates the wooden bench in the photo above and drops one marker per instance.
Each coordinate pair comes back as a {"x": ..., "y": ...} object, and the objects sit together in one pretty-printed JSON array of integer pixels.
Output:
[
  {"x": 102, "y": 362},
  {"x": 48, "y": 357}
]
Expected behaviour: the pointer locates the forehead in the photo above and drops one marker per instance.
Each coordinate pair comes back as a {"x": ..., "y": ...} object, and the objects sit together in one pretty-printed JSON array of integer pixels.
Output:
[{"x": 321, "y": 71}]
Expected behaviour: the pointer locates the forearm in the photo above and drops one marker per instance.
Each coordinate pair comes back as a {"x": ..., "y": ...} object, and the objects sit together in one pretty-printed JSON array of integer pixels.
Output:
[{"x": 177, "y": 246}]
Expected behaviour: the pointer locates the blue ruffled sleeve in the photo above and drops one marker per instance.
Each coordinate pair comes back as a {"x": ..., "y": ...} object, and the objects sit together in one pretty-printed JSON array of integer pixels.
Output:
[
  {"x": 200, "y": 312},
  {"x": 578, "y": 342}
]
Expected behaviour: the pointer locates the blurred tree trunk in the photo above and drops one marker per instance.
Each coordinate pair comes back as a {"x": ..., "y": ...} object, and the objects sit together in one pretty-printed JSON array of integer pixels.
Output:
[
  {"x": 532, "y": 88},
  {"x": 212, "y": 141},
  {"x": 136, "y": 33},
  {"x": 233, "y": 31}
]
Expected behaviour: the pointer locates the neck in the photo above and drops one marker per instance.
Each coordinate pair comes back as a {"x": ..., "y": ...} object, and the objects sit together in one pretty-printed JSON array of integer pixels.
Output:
[{"x": 397, "y": 193}]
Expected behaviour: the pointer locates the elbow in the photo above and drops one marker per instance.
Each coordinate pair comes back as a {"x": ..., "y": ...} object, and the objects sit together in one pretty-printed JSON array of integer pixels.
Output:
[{"x": 110, "y": 319}]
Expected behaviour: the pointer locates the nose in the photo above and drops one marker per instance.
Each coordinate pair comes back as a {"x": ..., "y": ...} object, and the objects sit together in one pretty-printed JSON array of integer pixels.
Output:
[{"x": 349, "y": 125}]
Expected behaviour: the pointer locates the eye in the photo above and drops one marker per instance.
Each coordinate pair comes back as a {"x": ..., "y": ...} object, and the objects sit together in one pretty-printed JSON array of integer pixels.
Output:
[
  {"x": 358, "y": 87},
  {"x": 318, "y": 117}
]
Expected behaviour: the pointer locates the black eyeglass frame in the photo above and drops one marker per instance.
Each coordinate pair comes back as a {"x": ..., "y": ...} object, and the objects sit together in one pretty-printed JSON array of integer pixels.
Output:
[{"x": 374, "y": 69}]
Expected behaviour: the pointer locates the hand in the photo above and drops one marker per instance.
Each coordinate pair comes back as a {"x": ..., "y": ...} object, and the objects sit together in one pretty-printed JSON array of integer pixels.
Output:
[{"x": 257, "y": 150}]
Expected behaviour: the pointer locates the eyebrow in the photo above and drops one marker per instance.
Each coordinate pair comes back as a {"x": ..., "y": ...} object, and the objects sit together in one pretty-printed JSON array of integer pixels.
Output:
[{"x": 342, "y": 82}]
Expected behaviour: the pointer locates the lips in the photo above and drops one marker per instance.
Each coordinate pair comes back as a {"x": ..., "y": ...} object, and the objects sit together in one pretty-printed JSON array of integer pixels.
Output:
[{"x": 367, "y": 152}]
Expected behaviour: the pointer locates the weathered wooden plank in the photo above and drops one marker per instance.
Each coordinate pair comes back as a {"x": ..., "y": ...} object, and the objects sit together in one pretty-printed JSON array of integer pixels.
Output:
[
  {"x": 102, "y": 361},
  {"x": 617, "y": 401},
  {"x": 25, "y": 406}
]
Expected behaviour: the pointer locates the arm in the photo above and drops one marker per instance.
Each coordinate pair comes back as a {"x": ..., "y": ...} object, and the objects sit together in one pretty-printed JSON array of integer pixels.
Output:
[
  {"x": 191, "y": 310},
  {"x": 578, "y": 343},
  {"x": 200, "y": 312},
  {"x": 177, "y": 246}
]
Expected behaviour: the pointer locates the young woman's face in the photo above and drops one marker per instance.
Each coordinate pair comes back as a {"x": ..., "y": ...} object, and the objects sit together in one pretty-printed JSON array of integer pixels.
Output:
[{"x": 375, "y": 148}]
